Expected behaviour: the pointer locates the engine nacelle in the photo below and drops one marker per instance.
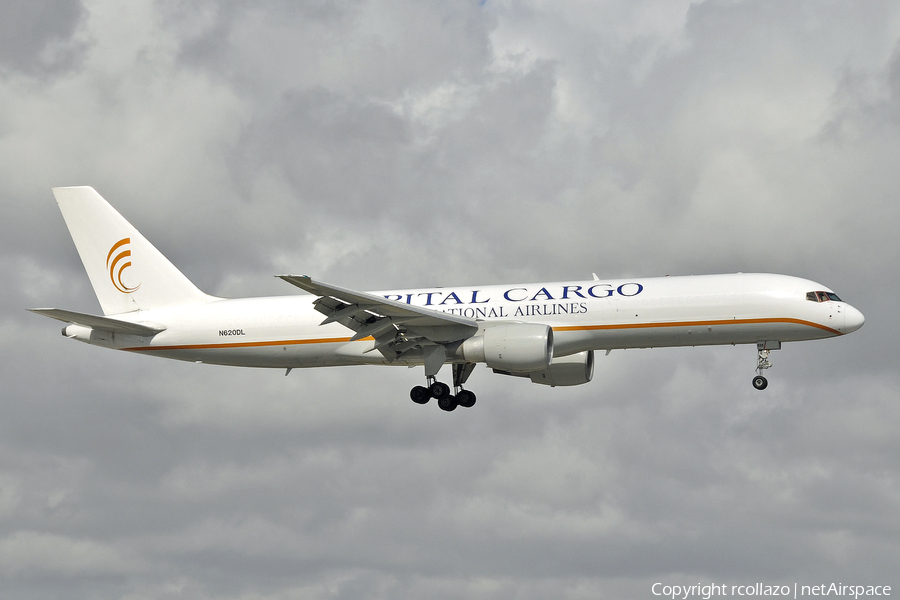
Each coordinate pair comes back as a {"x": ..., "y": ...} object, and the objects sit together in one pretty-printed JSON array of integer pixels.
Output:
[
  {"x": 522, "y": 347},
  {"x": 574, "y": 369}
]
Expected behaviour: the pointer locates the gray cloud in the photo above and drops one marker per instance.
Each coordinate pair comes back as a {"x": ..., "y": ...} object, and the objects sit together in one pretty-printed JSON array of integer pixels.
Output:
[
  {"x": 37, "y": 37},
  {"x": 384, "y": 144}
]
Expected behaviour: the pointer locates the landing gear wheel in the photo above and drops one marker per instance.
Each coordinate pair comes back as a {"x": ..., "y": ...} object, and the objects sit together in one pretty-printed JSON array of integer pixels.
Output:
[
  {"x": 449, "y": 403},
  {"x": 440, "y": 390},
  {"x": 760, "y": 382},
  {"x": 466, "y": 399},
  {"x": 420, "y": 395}
]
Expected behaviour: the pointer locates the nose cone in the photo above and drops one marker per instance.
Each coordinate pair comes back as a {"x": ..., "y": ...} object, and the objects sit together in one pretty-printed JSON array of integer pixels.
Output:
[{"x": 853, "y": 319}]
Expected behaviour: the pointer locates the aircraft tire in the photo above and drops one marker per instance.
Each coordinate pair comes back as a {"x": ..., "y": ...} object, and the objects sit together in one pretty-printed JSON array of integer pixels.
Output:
[
  {"x": 420, "y": 395},
  {"x": 448, "y": 404},
  {"x": 440, "y": 390},
  {"x": 466, "y": 399},
  {"x": 760, "y": 382}
]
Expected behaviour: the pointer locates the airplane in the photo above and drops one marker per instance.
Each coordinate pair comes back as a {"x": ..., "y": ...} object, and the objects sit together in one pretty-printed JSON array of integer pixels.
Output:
[{"x": 546, "y": 332}]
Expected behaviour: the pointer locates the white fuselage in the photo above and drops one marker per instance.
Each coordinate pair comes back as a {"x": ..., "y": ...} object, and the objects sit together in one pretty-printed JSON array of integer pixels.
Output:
[{"x": 285, "y": 331}]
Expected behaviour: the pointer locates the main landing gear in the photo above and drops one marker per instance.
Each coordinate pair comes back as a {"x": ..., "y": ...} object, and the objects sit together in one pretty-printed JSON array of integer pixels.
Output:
[
  {"x": 441, "y": 391},
  {"x": 762, "y": 362}
]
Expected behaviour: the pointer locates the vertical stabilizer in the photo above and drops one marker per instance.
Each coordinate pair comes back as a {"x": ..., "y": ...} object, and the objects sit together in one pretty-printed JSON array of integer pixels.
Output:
[{"x": 128, "y": 273}]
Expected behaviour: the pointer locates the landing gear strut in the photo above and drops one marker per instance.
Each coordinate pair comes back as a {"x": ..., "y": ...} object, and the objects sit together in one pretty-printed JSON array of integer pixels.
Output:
[
  {"x": 441, "y": 391},
  {"x": 762, "y": 362}
]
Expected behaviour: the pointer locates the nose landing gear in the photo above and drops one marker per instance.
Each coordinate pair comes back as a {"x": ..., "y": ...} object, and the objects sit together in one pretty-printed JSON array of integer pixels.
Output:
[{"x": 762, "y": 362}]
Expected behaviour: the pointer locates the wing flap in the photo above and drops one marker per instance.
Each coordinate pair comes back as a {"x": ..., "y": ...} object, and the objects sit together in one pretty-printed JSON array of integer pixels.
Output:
[
  {"x": 398, "y": 328},
  {"x": 361, "y": 309}
]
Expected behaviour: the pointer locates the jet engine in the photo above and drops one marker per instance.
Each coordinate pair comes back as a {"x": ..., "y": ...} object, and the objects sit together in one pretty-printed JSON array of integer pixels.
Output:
[
  {"x": 574, "y": 369},
  {"x": 521, "y": 347}
]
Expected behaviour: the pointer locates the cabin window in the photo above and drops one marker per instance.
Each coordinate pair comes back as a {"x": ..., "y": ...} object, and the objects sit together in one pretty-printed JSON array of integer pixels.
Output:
[{"x": 822, "y": 297}]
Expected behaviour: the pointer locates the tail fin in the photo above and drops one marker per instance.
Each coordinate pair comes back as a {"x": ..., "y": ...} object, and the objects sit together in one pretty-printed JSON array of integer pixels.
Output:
[{"x": 127, "y": 272}]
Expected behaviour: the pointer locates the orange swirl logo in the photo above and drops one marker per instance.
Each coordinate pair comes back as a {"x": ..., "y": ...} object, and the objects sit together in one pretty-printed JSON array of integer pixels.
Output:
[{"x": 118, "y": 263}]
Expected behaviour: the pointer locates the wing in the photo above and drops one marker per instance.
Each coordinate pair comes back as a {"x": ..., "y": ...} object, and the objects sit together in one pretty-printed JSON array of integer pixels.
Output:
[
  {"x": 99, "y": 323},
  {"x": 396, "y": 327}
]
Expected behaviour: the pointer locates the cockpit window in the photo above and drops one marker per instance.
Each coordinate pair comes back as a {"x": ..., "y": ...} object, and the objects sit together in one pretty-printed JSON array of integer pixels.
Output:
[{"x": 822, "y": 297}]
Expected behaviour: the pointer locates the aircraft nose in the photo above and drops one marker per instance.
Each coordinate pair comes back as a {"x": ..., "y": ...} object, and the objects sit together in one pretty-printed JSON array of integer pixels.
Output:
[{"x": 853, "y": 319}]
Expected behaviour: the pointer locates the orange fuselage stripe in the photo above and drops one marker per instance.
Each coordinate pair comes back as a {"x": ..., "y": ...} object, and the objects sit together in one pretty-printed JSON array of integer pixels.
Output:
[
  {"x": 609, "y": 327},
  {"x": 614, "y": 326},
  {"x": 244, "y": 344}
]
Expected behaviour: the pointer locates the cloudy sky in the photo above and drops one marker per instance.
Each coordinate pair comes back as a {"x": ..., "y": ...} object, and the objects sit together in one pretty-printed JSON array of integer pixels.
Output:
[{"x": 384, "y": 144}]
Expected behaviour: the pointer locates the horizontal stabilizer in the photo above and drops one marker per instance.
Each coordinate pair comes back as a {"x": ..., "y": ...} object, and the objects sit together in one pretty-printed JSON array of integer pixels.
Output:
[{"x": 99, "y": 323}]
